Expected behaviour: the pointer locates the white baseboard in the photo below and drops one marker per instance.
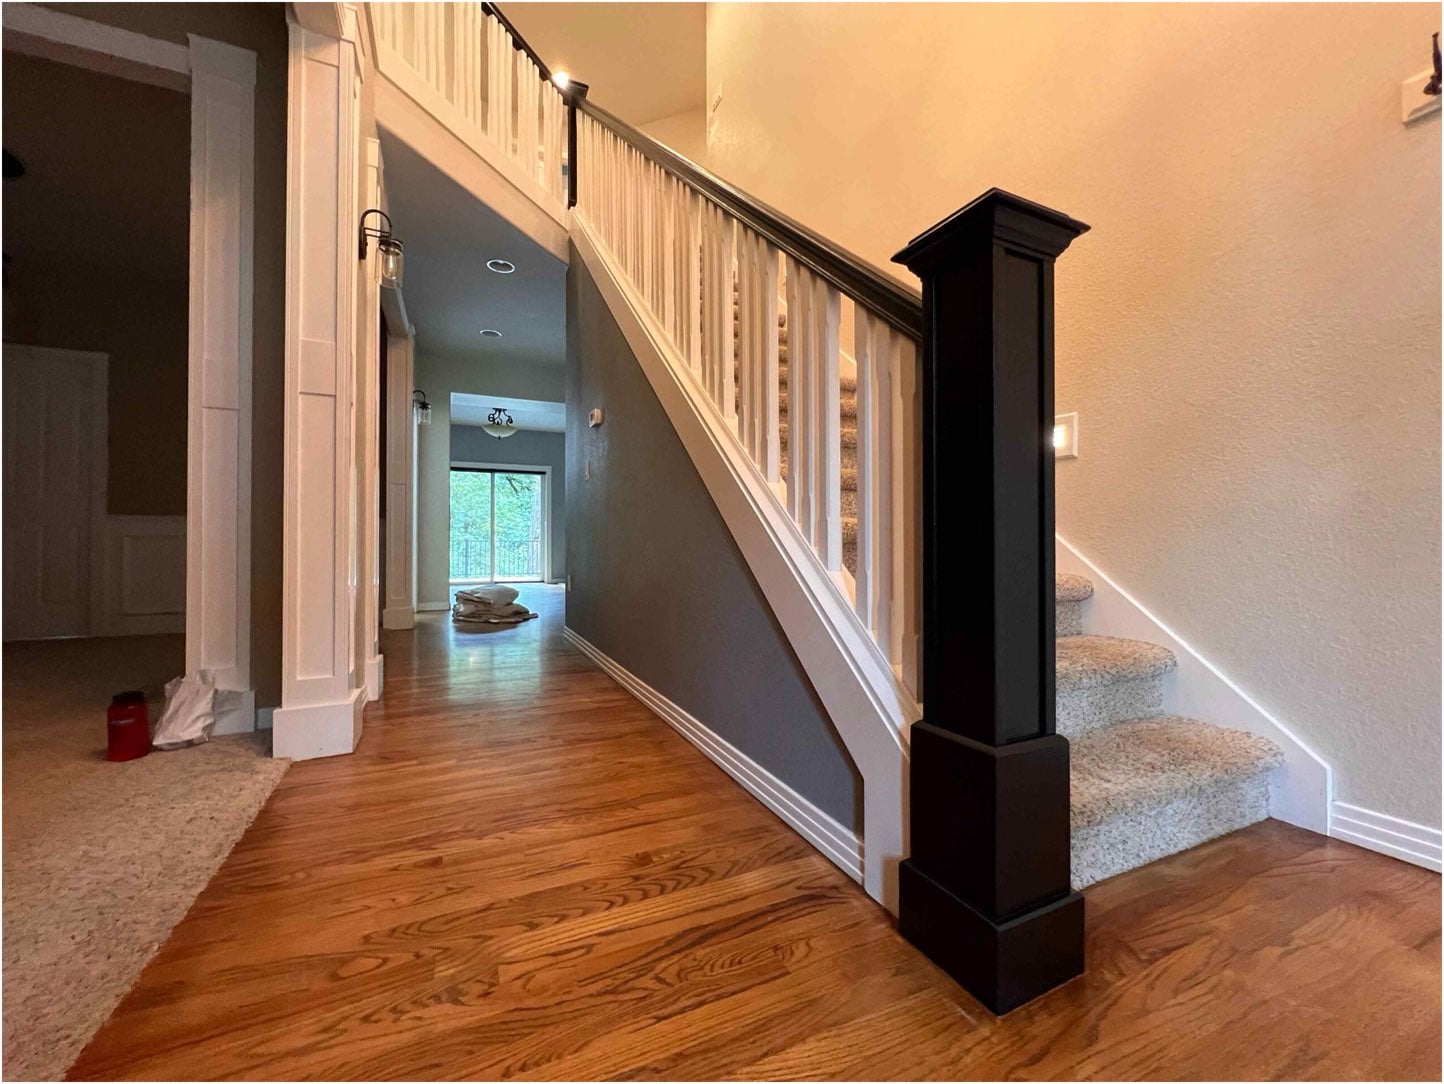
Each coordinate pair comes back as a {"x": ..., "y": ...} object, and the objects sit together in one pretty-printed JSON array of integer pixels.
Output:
[
  {"x": 375, "y": 675},
  {"x": 432, "y": 607},
  {"x": 837, "y": 843},
  {"x": 398, "y": 617},
  {"x": 144, "y": 588},
  {"x": 318, "y": 730},
  {"x": 235, "y": 712},
  {"x": 1302, "y": 788},
  {"x": 1380, "y": 832}
]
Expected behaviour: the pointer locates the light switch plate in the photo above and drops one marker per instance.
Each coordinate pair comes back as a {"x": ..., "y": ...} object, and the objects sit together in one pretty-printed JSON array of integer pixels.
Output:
[
  {"x": 1413, "y": 102},
  {"x": 1065, "y": 436}
]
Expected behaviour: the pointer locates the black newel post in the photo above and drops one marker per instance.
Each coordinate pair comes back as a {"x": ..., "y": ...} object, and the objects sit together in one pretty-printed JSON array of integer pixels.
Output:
[
  {"x": 986, "y": 892},
  {"x": 575, "y": 93}
]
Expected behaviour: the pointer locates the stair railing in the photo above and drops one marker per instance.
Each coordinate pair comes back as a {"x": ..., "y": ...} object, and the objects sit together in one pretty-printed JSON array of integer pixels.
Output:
[
  {"x": 688, "y": 243},
  {"x": 475, "y": 73}
]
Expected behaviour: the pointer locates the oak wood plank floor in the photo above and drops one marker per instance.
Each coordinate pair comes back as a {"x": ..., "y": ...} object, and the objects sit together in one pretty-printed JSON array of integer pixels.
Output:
[{"x": 523, "y": 873}]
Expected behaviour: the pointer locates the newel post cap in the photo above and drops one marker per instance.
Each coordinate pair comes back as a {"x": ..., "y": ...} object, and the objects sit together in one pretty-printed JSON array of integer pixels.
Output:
[{"x": 994, "y": 216}]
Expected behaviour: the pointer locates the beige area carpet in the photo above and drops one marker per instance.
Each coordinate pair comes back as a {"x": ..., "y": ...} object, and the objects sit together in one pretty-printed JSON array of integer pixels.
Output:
[{"x": 101, "y": 859}]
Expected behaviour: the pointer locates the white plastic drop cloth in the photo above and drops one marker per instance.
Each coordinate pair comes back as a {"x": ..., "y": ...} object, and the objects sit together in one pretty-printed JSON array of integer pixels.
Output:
[{"x": 190, "y": 711}]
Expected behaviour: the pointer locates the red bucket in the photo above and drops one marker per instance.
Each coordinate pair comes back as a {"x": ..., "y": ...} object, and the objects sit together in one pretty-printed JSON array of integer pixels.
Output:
[{"x": 127, "y": 726}]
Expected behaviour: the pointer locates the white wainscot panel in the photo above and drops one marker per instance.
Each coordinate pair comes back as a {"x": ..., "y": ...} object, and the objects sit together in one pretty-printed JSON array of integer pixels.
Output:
[{"x": 145, "y": 575}]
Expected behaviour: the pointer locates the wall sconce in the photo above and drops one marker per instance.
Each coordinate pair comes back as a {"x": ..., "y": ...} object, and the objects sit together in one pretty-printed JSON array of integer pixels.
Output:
[
  {"x": 388, "y": 246},
  {"x": 421, "y": 407},
  {"x": 499, "y": 423}
]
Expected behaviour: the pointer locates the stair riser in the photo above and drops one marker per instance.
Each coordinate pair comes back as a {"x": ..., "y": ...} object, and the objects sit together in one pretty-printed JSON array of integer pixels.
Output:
[
  {"x": 1123, "y": 843},
  {"x": 1096, "y": 706},
  {"x": 1070, "y": 618}
]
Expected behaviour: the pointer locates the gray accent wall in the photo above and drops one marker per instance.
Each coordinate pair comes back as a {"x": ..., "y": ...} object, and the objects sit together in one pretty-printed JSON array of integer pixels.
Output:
[
  {"x": 659, "y": 585},
  {"x": 530, "y": 448}
]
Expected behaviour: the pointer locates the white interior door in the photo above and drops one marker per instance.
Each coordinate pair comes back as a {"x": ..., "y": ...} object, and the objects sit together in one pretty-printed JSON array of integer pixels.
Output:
[{"x": 55, "y": 464}]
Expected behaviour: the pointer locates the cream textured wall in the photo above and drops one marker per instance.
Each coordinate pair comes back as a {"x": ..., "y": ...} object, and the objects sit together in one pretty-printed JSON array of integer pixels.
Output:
[
  {"x": 685, "y": 133},
  {"x": 1251, "y": 331}
]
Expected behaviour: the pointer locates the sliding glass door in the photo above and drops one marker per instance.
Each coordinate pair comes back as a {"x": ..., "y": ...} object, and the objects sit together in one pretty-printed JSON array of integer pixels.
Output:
[{"x": 498, "y": 525}]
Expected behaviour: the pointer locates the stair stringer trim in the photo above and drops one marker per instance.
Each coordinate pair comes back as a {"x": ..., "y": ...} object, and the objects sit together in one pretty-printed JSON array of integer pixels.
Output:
[
  {"x": 857, "y": 687},
  {"x": 1301, "y": 790}
]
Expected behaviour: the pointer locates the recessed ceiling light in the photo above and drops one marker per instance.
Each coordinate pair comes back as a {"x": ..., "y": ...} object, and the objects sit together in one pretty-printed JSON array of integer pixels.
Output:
[
  {"x": 491, "y": 333},
  {"x": 501, "y": 267}
]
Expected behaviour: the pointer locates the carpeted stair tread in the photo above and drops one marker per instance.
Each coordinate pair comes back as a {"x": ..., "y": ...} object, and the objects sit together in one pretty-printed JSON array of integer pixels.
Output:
[
  {"x": 1090, "y": 661},
  {"x": 1143, "y": 765},
  {"x": 1072, "y": 587}
]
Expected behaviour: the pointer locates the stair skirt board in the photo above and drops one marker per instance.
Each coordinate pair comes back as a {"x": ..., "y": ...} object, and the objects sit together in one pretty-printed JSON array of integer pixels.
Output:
[
  {"x": 839, "y": 845},
  {"x": 1303, "y": 786}
]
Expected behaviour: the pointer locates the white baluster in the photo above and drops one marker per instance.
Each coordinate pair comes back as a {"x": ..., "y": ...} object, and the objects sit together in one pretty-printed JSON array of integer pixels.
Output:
[
  {"x": 875, "y": 365},
  {"x": 770, "y": 458},
  {"x": 907, "y": 504},
  {"x": 744, "y": 320},
  {"x": 827, "y": 430},
  {"x": 799, "y": 355}
]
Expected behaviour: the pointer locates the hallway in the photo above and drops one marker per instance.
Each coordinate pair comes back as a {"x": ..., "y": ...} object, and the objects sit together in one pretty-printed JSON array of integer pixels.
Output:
[{"x": 523, "y": 873}]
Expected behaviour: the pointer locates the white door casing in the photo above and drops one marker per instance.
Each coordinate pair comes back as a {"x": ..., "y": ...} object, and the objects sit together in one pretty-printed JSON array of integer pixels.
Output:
[
  {"x": 370, "y": 366},
  {"x": 55, "y": 487},
  {"x": 320, "y": 713},
  {"x": 400, "y": 612},
  {"x": 218, "y": 493}
]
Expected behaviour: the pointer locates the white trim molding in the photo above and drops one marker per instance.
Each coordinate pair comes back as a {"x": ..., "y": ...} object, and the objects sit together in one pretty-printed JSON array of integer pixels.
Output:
[
  {"x": 400, "y": 579},
  {"x": 143, "y": 587},
  {"x": 69, "y": 39},
  {"x": 321, "y": 689},
  {"x": 857, "y": 686},
  {"x": 1302, "y": 788},
  {"x": 1405, "y": 840},
  {"x": 838, "y": 844},
  {"x": 218, "y": 498}
]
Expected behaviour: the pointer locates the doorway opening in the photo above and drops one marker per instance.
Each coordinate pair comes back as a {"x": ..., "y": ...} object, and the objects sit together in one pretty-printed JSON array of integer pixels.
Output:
[{"x": 500, "y": 526}]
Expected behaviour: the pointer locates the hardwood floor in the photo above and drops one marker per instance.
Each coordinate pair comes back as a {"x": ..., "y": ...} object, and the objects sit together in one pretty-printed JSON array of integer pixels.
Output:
[{"x": 523, "y": 873}]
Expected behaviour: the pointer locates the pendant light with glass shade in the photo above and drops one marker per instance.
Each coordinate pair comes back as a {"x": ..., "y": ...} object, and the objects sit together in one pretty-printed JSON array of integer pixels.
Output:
[{"x": 499, "y": 423}]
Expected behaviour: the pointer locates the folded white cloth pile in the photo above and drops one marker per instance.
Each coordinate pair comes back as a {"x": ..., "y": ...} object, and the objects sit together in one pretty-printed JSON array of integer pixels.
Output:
[{"x": 491, "y": 605}]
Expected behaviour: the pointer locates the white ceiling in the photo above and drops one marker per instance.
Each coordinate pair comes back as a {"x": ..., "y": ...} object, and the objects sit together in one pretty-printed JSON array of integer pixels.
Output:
[
  {"x": 469, "y": 409},
  {"x": 450, "y": 295},
  {"x": 641, "y": 61}
]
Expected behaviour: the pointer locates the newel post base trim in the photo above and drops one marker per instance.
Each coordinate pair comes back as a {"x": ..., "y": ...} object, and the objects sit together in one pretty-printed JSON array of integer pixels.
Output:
[
  {"x": 985, "y": 893},
  {"x": 1002, "y": 964}
]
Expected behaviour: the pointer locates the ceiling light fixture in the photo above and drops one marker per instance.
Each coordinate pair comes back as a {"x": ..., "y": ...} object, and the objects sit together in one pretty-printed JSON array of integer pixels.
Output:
[
  {"x": 389, "y": 247},
  {"x": 501, "y": 267},
  {"x": 499, "y": 423},
  {"x": 490, "y": 333}
]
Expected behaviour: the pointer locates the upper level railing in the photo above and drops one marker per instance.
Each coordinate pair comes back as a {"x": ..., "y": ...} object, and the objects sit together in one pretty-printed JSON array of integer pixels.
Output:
[
  {"x": 467, "y": 62},
  {"x": 715, "y": 268}
]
